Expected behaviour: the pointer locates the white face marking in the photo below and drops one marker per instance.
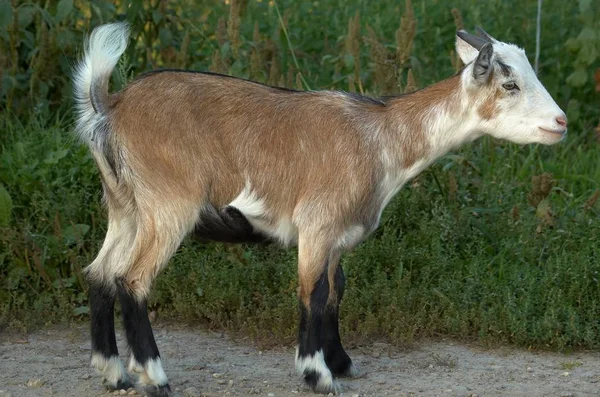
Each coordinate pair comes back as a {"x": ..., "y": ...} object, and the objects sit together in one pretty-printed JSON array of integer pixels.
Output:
[
  {"x": 524, "y": 113},
  {"x": 254, "y": 209},
  {"x": 112, "y": 370},
  {"x": 527, "y": 114},
  {"x": 316, "y": 363}
]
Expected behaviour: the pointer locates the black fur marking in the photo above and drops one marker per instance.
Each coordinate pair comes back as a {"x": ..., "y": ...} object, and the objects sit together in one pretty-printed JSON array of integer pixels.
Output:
[
  {"x": 354, "y": 96},
  {"x": 102, "y": 303},
  {"x": 312, "y": 378},
  {"x": 137, "y": 326},
  {"x": 158, "y": 391},
  {"x": 504, "y": 68},
  {"x": 320, "y": 330},
  {"x": 154, "y": 72},
  {"x": 227, "y": 225},
  {"x": 363, "y": 99},
  {"x": 336, "y": 357}
]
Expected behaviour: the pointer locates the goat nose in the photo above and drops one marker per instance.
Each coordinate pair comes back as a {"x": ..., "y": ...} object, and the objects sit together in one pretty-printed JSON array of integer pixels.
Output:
[{"x": 562, "y": 121}]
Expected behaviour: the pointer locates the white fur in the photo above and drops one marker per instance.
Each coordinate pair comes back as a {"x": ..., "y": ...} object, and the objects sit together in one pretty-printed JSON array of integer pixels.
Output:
[
  {"x": 151, "y": 374},
  {"x": 102, "y": 52},
  {"x": 248, "y": 203},
  {"x": 352, "y": 236},
  {"x": 112, "y": 370},
  {"x": 115, "y": 256},
  {"x": 134, "y": 366},
  {"x": 465, "y": 51},
  {"x": 316, "y": 363},
  {"x": 254, "y": 209},
  {"x": 521, "y": 116},
  {"x": 155, "y": 373}
]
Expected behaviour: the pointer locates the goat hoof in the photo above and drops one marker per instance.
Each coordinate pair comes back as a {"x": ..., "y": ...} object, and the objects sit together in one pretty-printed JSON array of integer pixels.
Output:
[
  {"x": 321, "y": 383},
  {"x": 122, "y": 384},
  {"x": 351, "y": 372},
  {"x": 158, "y": 391}
]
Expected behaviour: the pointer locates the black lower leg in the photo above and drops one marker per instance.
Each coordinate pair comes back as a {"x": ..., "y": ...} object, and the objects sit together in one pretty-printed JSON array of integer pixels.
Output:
[
  {"x": 319, "y": 330},
  {"x": 104, "y": 343},
  {"x": 140, "y": 337},
  {"x": 336, "y": 357}
]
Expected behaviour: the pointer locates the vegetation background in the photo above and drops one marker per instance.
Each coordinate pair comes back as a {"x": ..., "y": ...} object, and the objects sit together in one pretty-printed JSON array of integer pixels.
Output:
[{"x": 494, "y": 243}]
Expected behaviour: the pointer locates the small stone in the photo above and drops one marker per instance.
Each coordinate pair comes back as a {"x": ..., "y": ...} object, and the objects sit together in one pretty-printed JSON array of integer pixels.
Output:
[
  {"x": 191, "y": 392},
  {"x": 567, "y": 394},
  {"x": 430, "y": 366},
  {"x": 86, "y": 376},
  {"x": 132, "y": 392},
  {"x": 565, "y": 374},
  {"x": 529, "y": 369},
  {"x": 217, "y": 375},
  {"x": 35, "y": 383},
  {"x": 230, "y": 383},
  {"x": 116, "y": 392},
  {"x": 271, "y": 395},
  {"x": 221, "y": 381},
  {"x": 355, "y": 395},
  {"x": 330, "y": 395},
  {"x": 123, "y": 392}
]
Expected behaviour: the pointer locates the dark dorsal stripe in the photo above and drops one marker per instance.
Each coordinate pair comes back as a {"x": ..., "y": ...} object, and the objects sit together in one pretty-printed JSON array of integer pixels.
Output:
[{"x": 504, "y": 68}]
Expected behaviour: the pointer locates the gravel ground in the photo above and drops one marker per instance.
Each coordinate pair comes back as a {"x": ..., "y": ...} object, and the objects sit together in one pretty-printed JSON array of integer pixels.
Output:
[{"x": 54, "y": 362}]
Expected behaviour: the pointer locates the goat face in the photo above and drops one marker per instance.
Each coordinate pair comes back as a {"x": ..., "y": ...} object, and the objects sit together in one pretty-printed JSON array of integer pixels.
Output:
[{"x": 509, "y": 101}]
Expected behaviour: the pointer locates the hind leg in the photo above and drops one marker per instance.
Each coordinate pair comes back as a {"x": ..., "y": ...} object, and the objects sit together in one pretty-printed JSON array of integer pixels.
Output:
[
  {"x": 145, "y": 357},
  {"x": 160, "y": 231},
  {"x": 102, "y": 294},
  {"x": 105, "y": 355}
]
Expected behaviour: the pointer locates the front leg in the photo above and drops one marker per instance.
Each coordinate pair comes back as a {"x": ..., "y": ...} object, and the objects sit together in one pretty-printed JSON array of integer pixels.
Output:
[
  {"x": 320, "y": 355},
  {"x": 336, "y": 357}
]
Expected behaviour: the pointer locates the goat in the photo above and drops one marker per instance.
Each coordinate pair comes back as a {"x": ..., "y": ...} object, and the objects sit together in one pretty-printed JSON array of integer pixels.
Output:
[{"x": 233, "y": 160}]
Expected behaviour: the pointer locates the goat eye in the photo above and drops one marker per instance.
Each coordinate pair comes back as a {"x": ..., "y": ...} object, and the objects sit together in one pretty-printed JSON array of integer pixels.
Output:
[{"x": 510, "y": 86}]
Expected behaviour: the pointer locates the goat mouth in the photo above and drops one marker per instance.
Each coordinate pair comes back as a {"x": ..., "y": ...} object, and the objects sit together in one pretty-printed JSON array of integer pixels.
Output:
[{"x": 554, "y": 132}]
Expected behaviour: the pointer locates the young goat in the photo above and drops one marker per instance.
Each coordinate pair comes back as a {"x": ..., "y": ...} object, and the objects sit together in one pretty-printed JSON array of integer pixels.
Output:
[{"x": 236, "y": 161}]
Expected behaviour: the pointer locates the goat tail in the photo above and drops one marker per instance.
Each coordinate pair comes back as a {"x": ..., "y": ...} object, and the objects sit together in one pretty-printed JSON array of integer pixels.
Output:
[{"x": 102, "y": 51}]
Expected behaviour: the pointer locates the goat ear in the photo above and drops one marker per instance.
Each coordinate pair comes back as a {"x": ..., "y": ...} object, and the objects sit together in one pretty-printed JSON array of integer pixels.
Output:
[
  {"x": 482, "y": 68},
  {"x": 465, "y": 51}
]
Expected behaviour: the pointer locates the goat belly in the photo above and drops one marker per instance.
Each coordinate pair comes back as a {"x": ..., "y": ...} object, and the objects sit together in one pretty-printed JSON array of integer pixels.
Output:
[{"x": 227, "y": 225}]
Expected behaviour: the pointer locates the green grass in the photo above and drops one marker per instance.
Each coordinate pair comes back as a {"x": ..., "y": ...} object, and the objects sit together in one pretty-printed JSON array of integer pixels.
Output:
[{"x": 472, "y": 249}]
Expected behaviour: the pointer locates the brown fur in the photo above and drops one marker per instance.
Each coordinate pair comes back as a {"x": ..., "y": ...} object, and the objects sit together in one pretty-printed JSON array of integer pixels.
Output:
[
  {"x": 489, "y": 108},
  {"x": 408, "y": 114},
  {"x": 312, "y": 157}
]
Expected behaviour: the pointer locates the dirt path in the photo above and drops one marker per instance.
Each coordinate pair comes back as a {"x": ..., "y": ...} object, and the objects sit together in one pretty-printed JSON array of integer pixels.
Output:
[{"x": 55, "y": 363}]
